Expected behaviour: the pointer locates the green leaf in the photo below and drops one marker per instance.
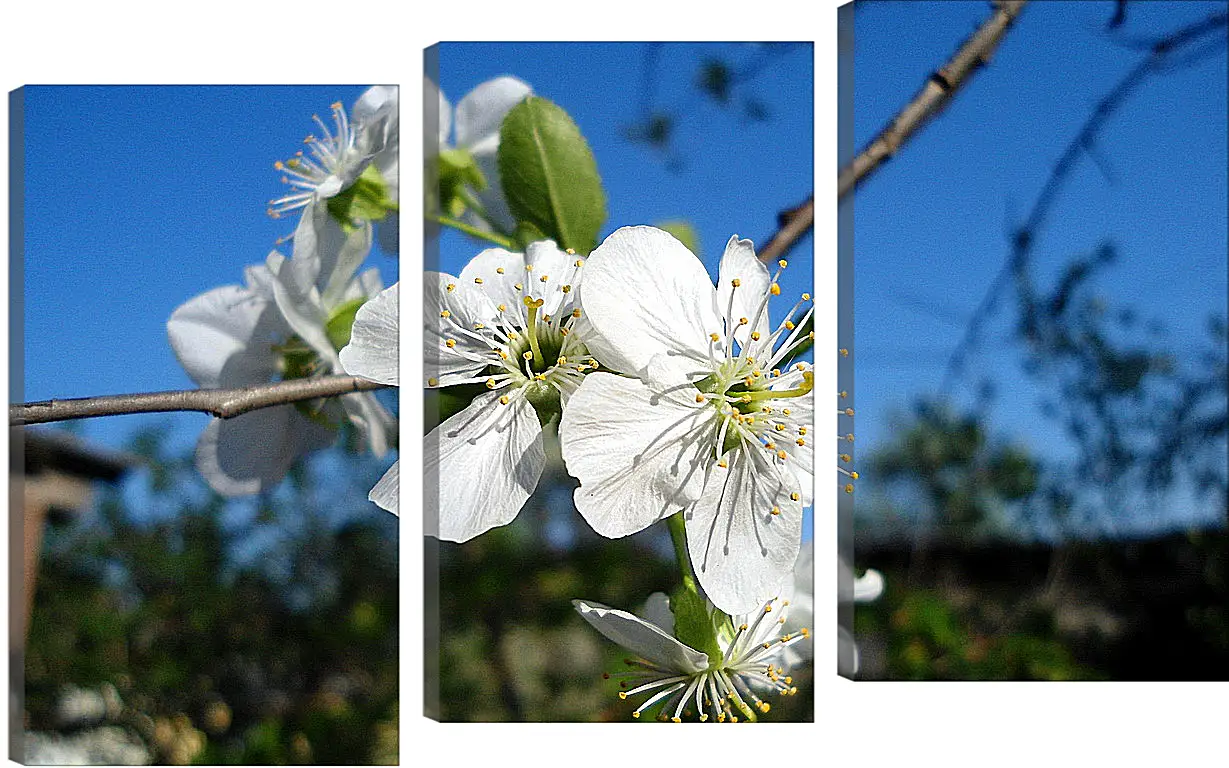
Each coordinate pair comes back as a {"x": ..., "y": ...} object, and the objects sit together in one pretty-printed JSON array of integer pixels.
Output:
[
  {"x": 549, "y": 175},
  {"x": 685, "y": 233},
  {"x": 693, "y": 624}
]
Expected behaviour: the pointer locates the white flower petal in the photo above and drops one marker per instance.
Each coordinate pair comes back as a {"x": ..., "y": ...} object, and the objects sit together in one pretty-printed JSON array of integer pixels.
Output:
[
  {"x": 384, "y": 493},
  {"x": 251, "y": 453},
  {"x": 373, "y": 352},
  {"x": 639, "y": 456},
  {"x": 868, "y": 586},
  {"x": 846, "y": 653},
  {"x": 466, "y": 306},
  {"x": 482, "y": 111},
  {"x": 299, "y": 301},
  {"x": 642, "y": 638},
  {"x": 224, "y": 337},
  {"x": 487, "y": 459},
  {"x": 657, "y": 611},
  {"x": 483, "y": 273},
  {"x": 372, "y": 420},
  {"x": 739, "y": 263},
  {"x": 646, "y": 295},
  {"x": 330, "y": 255},
  {"x": 741, "y": 552}
]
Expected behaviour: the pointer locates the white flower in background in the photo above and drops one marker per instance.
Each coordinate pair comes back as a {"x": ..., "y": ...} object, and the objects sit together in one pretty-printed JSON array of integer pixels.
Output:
[
  {"x": 336, "y": 159},
  {"x": 862, "y": 589},
  {"x": 232, "y": 337},
  {"x": 506, "y": 322},
  {"x": 372, "y": 353},
  {"x": 476, "y": 122},
  {"x": 713, "y": 427},
  {"x": 287, "y": 322},
  {"x": 687, "y": 682}
]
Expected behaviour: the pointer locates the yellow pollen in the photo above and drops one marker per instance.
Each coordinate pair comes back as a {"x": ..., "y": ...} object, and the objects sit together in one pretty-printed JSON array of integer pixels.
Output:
[
  {"x": 714, "y": 337},
  {"x": 622, "y": 694},
  {"x": 503, "y": 355},
  {"x": 844, "y": 352},
  {"x": 794, "y": 496},
  {"x": 805, "y": 632},
  {"x": 451, "y": 343},
  {"x": 765, "y": 706},
  {"x": 433, "y": 382},
  {"x": 782, "y": 263},
  {"x": 561, "y": 361},
  {"x": 765, "y": 409},
  {"x": 634, "y": 714},
  {"x": 776, "y": 510},
  {"x": 811, "y": 335},
  {"x": 519, "y": 287},
  {"x": 478, "y": 280},
  {"x": 782, "y": 455},
  {"x": 566, "y": 288},
  {"x": 445, "y": 313},
  {"x": 802, "y": 430},
  {"x": 528, "y": 355},
  {"x": 528, "y": 267},
  {"x": 570, "y": 251},
  {"x": 854, "y": 475},
  {"x": 848, "y": 411},
  {"x": 775, "y": 290},
  {"x": 800, "y": 442},
  {"x": 699, "y": 398},
  {"x": 539, "y": 377},
  {"x": 490, "y": 383},
  {"x": 545, "y": 318},
  {"x": 849, "y": 488},
  {"x": 785, "y": 411},
  {"x": 789, "y": 326},
  {"x": 780, "y": 427},
  {"x": 676, "y": 719},
  {"x": 503, "y": 400},
  {"x": 755, "y": 335},
  {"x": 579, "y": 262},
  {"x": 499, "y": 270},
  {"x": 450, "y": 287},
  {"x": 723, "y": 464},
  {"x": 563, "y": 331},
  {"x": 544, "y": 278},
  {"x": 736, "y": 282},
  {"x": 742, "y": 321},
  {"x": 768, "y": 608},
  {"x": 502, "y": 307},
  {"x": 849, "y": 437},
  {"x": 800, "y": 366},
  {"x": 575, "y": 313},
  {"x": 771, "y": 446},
  {"x": 806, "y": 297}
]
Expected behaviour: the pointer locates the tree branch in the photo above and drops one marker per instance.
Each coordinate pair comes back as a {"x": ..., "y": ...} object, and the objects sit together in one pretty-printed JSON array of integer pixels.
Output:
[
  {"x": 935, "y": 94},
  {"x": 222, "y": 403},
  {"x": 793, "y": 224}
]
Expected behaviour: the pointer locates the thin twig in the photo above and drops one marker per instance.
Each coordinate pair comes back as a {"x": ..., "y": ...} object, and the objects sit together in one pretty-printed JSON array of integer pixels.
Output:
[
  {"x": 1083, "y": 143},
  {"x": 793, "y": 224},
  {"x": 222, "y": 403},
  {"x": 935, "y": 94}
]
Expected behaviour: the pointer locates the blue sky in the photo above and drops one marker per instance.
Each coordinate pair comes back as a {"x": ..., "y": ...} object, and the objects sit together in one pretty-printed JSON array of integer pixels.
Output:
[{"x": 931, "y": 226}]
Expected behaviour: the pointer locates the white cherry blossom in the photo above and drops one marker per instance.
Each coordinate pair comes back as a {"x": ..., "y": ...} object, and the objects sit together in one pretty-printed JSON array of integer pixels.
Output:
[
  {"x": 372, "y": 353},
  {"x": 684, "y": 681},
  {"x": 712, "y": 427},
  {"x": 507, "y": 322}
]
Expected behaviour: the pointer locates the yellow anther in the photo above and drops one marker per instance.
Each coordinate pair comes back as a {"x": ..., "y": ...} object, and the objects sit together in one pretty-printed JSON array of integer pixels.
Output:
[
  {"x": 676, "y": 720},
  {"x": 539, "y": 377},
  {"x": 503, "y": 400},
  {"x": 776, "y": 371},
  {"x": 811, "y": 335},
  {"x": 502, "y": 355},
  {"x": 545, "y": 318},
  {"x": 771, "y": 446},
  {"x": 766, "y": 409},
  {"x": 519, "y": 286},
  {"x": 714, "y": 337},
  {"x": 768, "y": 608},
  {"x": 774, "y": 289},
  {"x": 806, "y": 297},
  {"x": 802, "y": 430},
  {"x": 765, "y": 706},
  {"x": 528, "y": 355},
  {"x": 846, "y": 457},
  {"x": 544, "y": 278},
  {"x": 478, "y": 280},
  {"x": 566, "y": 288},
  {"x": 736, "y": 282},
  {"x": 478, "y": 326},
  {"x": 800, "y": 442},
  {"x": 800, "y": 366},
  {"x": 723, "y": 464},
  {"x": 699, "y": 398},
  {"x": 499, "y": 270},
  {"x": 563, "y": 331},
  {"x": 634, "y": 714},
  {"x": 804, "y": 632},
  {"x": 782, "y": 263},
  {"x": 755, "y": 335},
  {"x": 776, "y": 510},
  {"x": 433, "y": 382},
  {"x": 622, "y": 694},
  {"x": 782, "y": 455},
  {"x": 502, "y": 307},
  {"x": 579, "y": 262},
  {"x": 854, "y": 475},
  {"x": 785, "y": 411},
  {"x": 528, "y": 267},
  {"x": 844, "y": 352},
  {"x": 570, "y": 251},
  {"x": 849, "y": 488},
  {"x": 742, "y": 321},
  {"x": 451, "y": 343},
  {"x": 445, "y": 313},
  {"x": 843, "y": 393},
  {"x": 490, "y": 383},
  {"x": 575, "y": 313},
  {"x": 789, "y": 325},
  {"x": 450, "y": 287},
  {"x": 756, "y": 374},
  {"x": 849, "y": 437},
  {"x": 794, "y": 496},
  {"x": 780, "y": 427},
  {"x": 562, "y": 360},
  {"x": 848, "y": 411}
]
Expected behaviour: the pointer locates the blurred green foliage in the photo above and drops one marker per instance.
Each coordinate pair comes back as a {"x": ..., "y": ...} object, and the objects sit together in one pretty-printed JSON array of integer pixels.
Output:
[{"x": 263, "y": 637}]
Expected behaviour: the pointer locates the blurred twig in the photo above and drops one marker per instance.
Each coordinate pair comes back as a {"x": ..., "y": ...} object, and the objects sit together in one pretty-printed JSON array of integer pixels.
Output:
[
  {"x": 1084, "y": 142},
  {"x": 938, "y": 90},
  {"x": 792, "y": 225},
  {"x": 222, "y": 403}
]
